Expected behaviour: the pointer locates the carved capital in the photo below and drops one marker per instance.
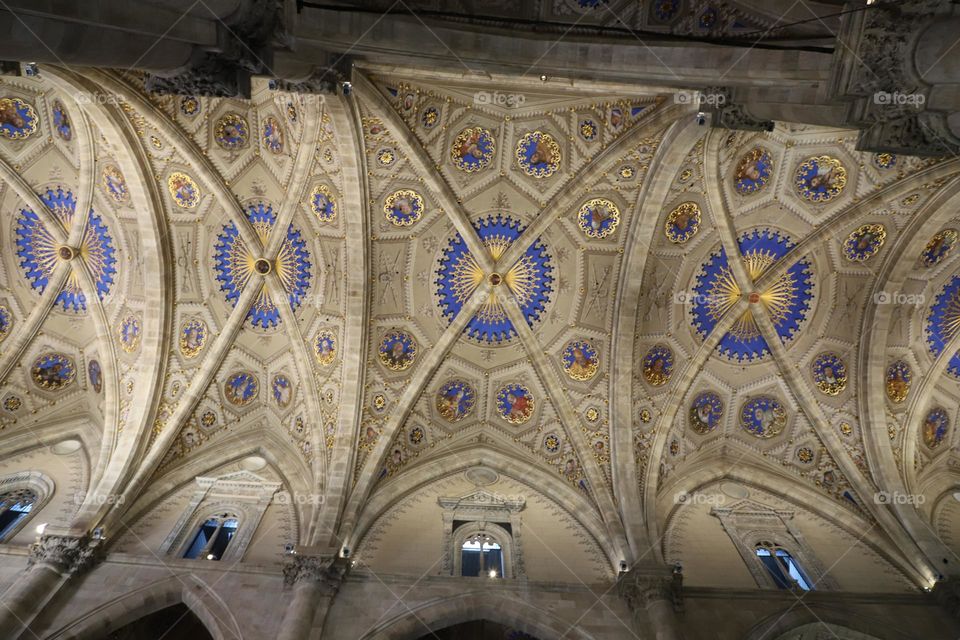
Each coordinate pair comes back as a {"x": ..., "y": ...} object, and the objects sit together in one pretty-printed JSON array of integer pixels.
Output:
[
  {"x": 69, "y": 555},
  {"x": 327, "y": 571},
  {"x": 641, "y": 588},
  {"x": 920, "y": 133}
]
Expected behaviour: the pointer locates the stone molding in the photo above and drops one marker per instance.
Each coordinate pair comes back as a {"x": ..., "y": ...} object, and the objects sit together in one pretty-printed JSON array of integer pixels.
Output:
[
  {"x": 67, "y": 555},
  {"x": 326, "y": 571},
  {"x": 641, "y": 587}
]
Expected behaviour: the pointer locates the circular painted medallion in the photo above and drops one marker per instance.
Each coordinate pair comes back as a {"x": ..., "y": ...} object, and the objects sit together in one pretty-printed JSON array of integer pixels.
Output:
[
  {"x": 241, "y": 388},
  {"x": 232, "y": 131},
  {"x": 935, "y": 427},
  {"x": 538, "y": 154},
  {"x": 386, "y": 156},
  {"x": 430, "y": 117},
  {"x": 397, "y": 350},
  {"x": 18, "y": 120},
  {"x": 753, "y": 171},
  {"x": 588, "y": 129},
  {"x": 884, "y": 160},
  {"x": 473, "y": 149},
  {"x": 325, "y": 347},
  {"x": 282, "y": 390},
  {"x": 763, "y": 416},
  {"x": 898, "y": 378},
  {"x": 658, "y": 365},
  {"x": 404, "y": 207},
  {"x": 598, "y": 218},
  {"x": 95, "y": 375},
  {"x": 61, "y": 121},
  {"x": 528, "y": 283},
  {"x": 6, "y": 322},
  {"x": 788, "y": 300},
  {"x": 706, "y": 410},
  {"x": 830, "y": 374},
  {"x": 683, "y": 222},
  {"x": 193, "y": 337},
  {"x": 580, "y": 360},
  {"x": 943, "y": 323},
  {"x": 114, "y": 184},
  {"x": 39, "y": 254},
  {"x": 940, "y": 245},
  {"x": 129, "y": 332},
  {"x": 322, "y": 203},
  {"x": 53, "y": 371},
  {"x": 820, "y": 179},
  {"x": 864, "y": 243},
  {"x": 515, "y": 404},
  {"x": 185, "y": 192},
  {"x": 273, "y": 135},
  {"x": 455, "y": 400},
  {"x": 190, "y": 106}
]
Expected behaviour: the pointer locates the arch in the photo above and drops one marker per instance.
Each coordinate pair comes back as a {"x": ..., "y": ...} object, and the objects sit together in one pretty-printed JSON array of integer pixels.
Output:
[
  {"x": 42, "y": 487},
  {"x": 777, "y": 625},
  {"x": 499, "y": 535},
  {"x": 188, "y": 590},
  {"x": 474, "y": 605}
]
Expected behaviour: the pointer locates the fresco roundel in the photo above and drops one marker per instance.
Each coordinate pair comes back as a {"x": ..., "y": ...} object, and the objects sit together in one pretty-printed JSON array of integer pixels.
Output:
[
  {"x": 864, "y": 243},
  {"x": 598, "y": 218},
  {"x": 935, "y": 427},
  {"x": 114, "y": 184},
  {"x": 528, "y": 283},
  {"x": 943, "y": 322},
  {"x": 232, "y": 131},
  {"x": 898, "y": 378},
  {"x": 18, "y": 120},
  {"x": 272, "y": 135},
  {"x": 763, "y": 416},
  {"x": 658, "y": 365},
  {"x": 820, "y": 179},
  {"x": 787, "y": 301},
  {"x": 241, "y": 388},
  {"x": 325, "y": 347},
  {"x": 404, "y": 207},
  {"x": 95, "y": 375},
  {"x": 939, "y": 246},
  {"x": 39, "y": 252},
  {"x": 580, "y": 360},
  {"x": 706, "y": 410},
  {"x": 129, "y": 333},
  {"x": 282, "y": 390},
  {"x": 397, "y": 350},
  {"x": 473, "y": 149},
  {"x": 6, "y": 322},
  {"x": 234, "y": 266},
  {"x": 515, "y": 403},
  {"x": 830, "y": 374},
  {"x": 683, "y": 222},
  {"x": 61, "y": 121},
  {"x": 538, "y": 154},
  {"x": 193, "y": 337},
  {"x": 53, "y": 371},
  {"x": 323, "y": 204},
  {"x": 183, "y": 190},
  {"x": 455, "y": 400},
  {"x": 753, "y": 171}
]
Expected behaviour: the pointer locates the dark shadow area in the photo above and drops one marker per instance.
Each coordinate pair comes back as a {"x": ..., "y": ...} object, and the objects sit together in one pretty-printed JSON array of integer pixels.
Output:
[
  {"x": 173, "y": 623},
  {"x": 477, "y": 630}
]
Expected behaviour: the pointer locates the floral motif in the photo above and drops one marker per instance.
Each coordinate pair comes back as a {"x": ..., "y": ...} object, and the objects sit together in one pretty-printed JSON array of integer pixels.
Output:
[
  {"x": 386, "y": 156},
  {"x": 885, "y": 160},
  {"x": 190, "y": 106},
  {"x": 588, "y": 129},
  {"x": 430, "y": 117},
  {"x": 551, "y": 443},
  {"x": 805, "y": 455},
  {"x": 515, "y": 403},
  {"x": 598, "y": 218}
]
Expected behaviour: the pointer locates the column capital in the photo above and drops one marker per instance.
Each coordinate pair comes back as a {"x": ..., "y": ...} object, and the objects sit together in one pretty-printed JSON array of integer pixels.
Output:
[
  {"x": 327, "y": 571},
  {"x": 65, "y": 554},
  {"x": 642, "y": 586}
]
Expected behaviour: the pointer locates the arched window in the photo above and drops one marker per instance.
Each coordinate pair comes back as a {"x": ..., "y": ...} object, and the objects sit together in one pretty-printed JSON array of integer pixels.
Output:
[
  {"x": 783, "y": 568},
  {"x": 213, "y": 537},
  {"x": 15, "y": 507},
  {"x": 481, "y": 555}
]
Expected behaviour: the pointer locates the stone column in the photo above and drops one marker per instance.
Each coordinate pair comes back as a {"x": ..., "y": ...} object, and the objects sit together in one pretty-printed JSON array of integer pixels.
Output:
[
  {"x": 315, "y": 581},
  {"x": 54, "y": 559},
  {"x": 655, "y": 594}
]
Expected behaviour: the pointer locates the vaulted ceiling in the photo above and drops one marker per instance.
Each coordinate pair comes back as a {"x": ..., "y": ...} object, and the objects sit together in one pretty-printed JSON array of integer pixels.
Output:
[{"x": 592, "y": 295}]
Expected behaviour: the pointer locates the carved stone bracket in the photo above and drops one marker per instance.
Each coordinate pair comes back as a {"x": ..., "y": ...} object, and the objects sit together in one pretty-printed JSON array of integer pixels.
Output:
[
  {"x": 727, "y": 114},
  {"x": 67, "y": 555},
  {"x": 327, "y": 571},
  {"x": 325, "y": 78},
  {"x": 640, "y": 588}
]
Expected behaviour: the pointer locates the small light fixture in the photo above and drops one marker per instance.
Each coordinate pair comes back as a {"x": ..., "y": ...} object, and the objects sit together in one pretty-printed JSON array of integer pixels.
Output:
[
  {"x": 493, "y": 573},
  {"x": 210, "y": 556},
  {"x": 623, "y": 566},
  {"x": 543, "y": 77},
  {"x": 41, "y": 528}
]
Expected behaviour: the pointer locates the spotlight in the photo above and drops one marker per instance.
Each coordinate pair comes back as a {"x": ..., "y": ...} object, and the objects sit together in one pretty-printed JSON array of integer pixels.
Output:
[
  {"x": 701, "y": 118},
  {"x": 41, "y": 528},
  {"x": 210, "y": 556},
  {"x": 345, "y": 552},
  {"x": 543, "y": 77},
  {"x": 288, "y": 548},
  {"x": 623, "y": 566},
  {"x": 31, "y": 69},
  {"x": 347, "y": 88},
  {"x": 493, "y": 573}
]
